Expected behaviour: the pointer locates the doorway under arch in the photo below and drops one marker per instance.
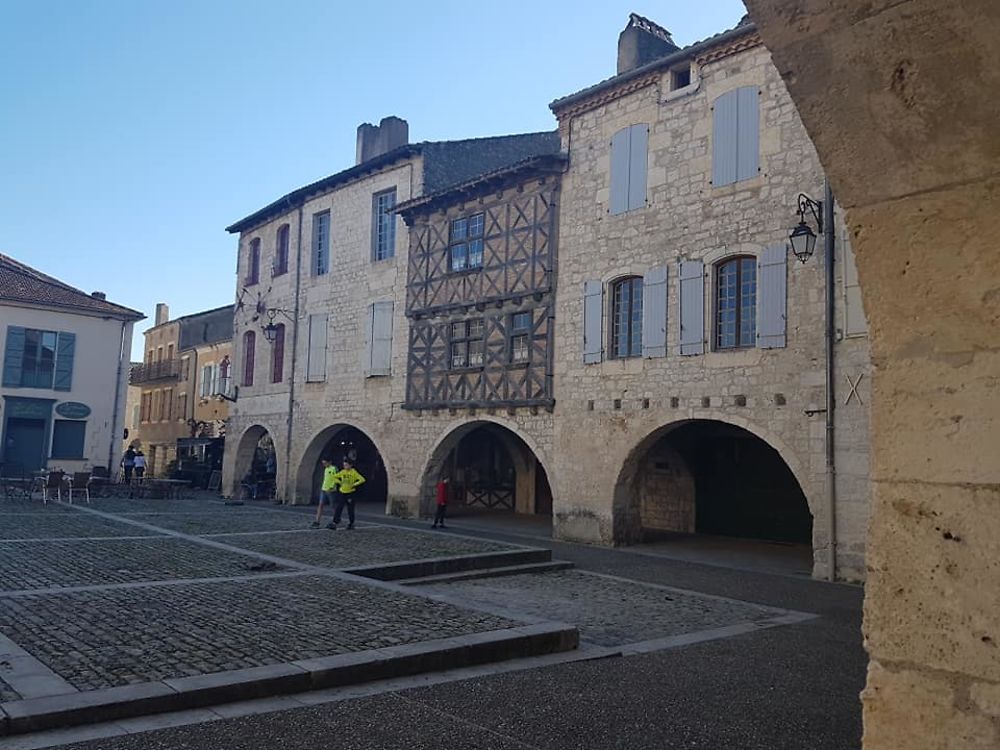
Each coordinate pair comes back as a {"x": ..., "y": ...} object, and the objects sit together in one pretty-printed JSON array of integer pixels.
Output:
[
  {"x": 256, "y": 460},
  {"x": 713, "y": 478},
  {"x": 491, "y": 471},
  {"x": 336, "y": 443}
]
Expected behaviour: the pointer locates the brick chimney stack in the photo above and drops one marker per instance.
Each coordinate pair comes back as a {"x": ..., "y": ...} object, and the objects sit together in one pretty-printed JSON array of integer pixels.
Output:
[
  {"x": 641, "y": 42},
  {"x": 162, "y": 313},
  {"x": 375, "y": 140}
]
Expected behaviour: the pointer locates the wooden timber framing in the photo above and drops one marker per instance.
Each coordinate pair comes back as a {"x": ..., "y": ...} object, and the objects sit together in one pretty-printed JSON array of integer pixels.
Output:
[{"x": 506, "y": 303}]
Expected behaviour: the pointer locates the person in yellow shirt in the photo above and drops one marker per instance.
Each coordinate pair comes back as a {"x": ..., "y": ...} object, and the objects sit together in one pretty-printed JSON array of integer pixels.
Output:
[
  {"x": 326, "y": 491},
  {"x": 348, "y": 479}
]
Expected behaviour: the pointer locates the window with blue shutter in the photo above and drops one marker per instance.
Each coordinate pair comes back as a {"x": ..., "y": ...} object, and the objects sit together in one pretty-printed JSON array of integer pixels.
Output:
[
  {"x": 13, "y": 356},
  {"x": 771, "y": 297},
  {"x": 379, "y": 339},
  {"x": 65, "y": 352},
  {"x": 593, "y": 312},
  {"x": 654, "y": 313},
  {"x": 692, "y": 307},
  {"x": 736, "y": 136},
  {"x": 38, "y": 359},
  {"x": 629, "y": 155},
  {"x": 68, "y": 438}
]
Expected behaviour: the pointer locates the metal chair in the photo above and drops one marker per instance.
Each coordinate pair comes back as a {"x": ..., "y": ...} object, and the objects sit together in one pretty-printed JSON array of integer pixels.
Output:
[
  {"x": 53, "y": 484},
  {"x": 80, "y": 482}
]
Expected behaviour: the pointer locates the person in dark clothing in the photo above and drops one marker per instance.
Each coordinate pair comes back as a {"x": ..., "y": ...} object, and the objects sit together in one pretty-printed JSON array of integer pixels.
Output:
[
  {"x": 128, "y": 465},
  {"x": 442, "y": 504}
]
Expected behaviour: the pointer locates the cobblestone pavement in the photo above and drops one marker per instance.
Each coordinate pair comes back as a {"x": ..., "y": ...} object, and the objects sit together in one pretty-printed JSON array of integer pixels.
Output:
[
  {"x": 85, "y": 562},
  {"x": 98, "y": 639},
  {"x": 362, "y": 546},
  {"x": 608, "y": 611},
  {"x": 58, "y": 525},
  {"x": 7, "y": 693},
  {"x": 224, "y": 521}
]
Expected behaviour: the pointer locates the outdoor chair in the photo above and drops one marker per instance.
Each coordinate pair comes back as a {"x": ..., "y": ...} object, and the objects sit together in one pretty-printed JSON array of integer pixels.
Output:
[
  {"x": 80, "y": 482},
  {"x": 53, "y": 485}
]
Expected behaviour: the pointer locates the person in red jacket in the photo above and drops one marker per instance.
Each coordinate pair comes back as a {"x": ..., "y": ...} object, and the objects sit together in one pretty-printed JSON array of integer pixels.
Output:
[{"x": 442, "y": 503}]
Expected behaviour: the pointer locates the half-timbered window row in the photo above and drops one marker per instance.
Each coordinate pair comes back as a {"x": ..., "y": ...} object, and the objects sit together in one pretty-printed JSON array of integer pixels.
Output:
[{"x": 465, "y": 243}]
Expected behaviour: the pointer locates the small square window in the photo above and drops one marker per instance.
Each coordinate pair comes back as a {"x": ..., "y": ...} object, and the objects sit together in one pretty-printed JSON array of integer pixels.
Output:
[
  {"x": 680, "y": 78},
  {"x": 519, "y": 348}
]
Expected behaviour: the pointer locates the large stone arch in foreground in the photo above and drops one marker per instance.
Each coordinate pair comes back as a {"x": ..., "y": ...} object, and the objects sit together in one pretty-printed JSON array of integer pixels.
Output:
[{"x": 900, "y": 99}]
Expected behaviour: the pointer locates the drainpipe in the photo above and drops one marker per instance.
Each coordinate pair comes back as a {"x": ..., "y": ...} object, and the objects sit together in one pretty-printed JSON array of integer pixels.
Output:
[
  {"x": 831, "y": 473},
  {"x": 115, "y": 435},
  {"x": 289, "y": 482}
]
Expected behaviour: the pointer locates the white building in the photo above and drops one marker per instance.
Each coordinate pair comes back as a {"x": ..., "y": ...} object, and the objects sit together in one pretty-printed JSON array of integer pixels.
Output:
[{"x": 65, "y": 373}]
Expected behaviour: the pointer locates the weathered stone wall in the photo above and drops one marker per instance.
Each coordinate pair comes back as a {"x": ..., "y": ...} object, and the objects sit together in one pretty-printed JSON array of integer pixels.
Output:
[
  {"x": 617, "y": 404},
  {"x": 900, "y": 99},
  {"x": 667, "y": 491}
]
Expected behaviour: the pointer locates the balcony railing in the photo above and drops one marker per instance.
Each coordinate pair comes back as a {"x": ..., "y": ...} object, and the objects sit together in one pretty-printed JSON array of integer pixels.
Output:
[{"x": 169, "y": 369}]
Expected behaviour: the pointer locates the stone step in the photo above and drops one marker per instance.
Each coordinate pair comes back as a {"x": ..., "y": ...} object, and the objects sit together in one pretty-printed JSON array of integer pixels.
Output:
[
  {"x": 507, "y": 570},
  {"x": 409, "y": 569}
]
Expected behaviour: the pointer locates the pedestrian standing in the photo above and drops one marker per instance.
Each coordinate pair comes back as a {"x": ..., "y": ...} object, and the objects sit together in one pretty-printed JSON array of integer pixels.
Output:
[
  {"x": 326, "y": 490},
  {"x": 139, "y": 465},
  {"x": 348, "y": 480},
  {"x": 128, "y": 465},
  {"x": 442, "y": 503}
]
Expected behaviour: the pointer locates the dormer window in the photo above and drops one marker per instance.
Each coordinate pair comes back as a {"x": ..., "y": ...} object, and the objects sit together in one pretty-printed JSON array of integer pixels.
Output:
[{"x": 680, "y": 77}]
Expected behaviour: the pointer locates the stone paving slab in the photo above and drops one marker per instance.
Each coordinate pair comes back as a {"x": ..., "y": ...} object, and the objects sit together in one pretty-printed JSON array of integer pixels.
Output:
[
  {"x": 363, "y": 546},
  {"x": 59, "y": 525},
  {"x": 7, "y": 693},
  {"x": 19, "y": 506},
  {"x": 81, "y": 562},
  {"x": 115, "y": 637},
  {"x": 225, "y": 521},
  {"x": 608, "y": 611},
  {"x": 126, "y": 505}
]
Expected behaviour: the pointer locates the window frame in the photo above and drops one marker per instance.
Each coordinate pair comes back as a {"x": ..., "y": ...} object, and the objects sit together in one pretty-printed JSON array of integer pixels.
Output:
[
  {"x": 634, "y": 318},
  {"x": 253, "y": 263},
  {"x": 465, "y": 241},
  {"x": 389, "y": 251},
  {"x": 37, "y": 358},
  {"x": 514, "y": 332},
  {"x": 317, "y": 219},
  {"x": 739, "y": 303},
  {"x": 278, "y": 354},
  {"x": 249, "y": 357},
  {"x": 56, "y": 424},
  {"x": 465, "y": 341},
  {"x": 282, "y": 242}
]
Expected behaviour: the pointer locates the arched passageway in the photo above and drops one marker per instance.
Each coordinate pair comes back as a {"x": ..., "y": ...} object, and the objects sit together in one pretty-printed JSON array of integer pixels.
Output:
[
  {"x": 491, "y": 471},
  {"x": 336, "y": 443},
  {"x": 712, "y": 478},
  {"x": 256, "y": 462}
]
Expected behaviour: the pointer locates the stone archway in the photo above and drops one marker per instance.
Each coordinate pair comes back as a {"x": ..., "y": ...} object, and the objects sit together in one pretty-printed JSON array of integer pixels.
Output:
[
  {"x": 255, "y": 457},
  {"x": 709, "y": 477},
  {"x": 491, "y": 467},
  {"x": 335, "y": 443}
]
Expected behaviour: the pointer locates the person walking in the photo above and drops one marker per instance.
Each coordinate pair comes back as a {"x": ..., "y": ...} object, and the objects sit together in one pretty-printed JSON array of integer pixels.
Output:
[
  {"x": 348, "y": 480},
  {"x": 139, "y": 465},
  {"x": 325, "y": 490},
  {"x": 442, "y": 503},
  {"x": 128, "y": 465}
]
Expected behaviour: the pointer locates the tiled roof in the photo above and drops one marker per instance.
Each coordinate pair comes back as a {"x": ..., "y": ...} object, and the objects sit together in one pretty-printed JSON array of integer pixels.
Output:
[
  {"x": 24, "y": 284},
  {"x": 445, "y": 163},
  {"x": 745, "y": 26}
]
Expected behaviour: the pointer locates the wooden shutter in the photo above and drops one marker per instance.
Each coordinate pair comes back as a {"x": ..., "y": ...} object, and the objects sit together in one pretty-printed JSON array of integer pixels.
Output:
[
  {"x": 316, "y": 357},
  {"x": 692, "y": 307},
  {"x": 748, "y": 132},
  {"x": 724, "y": 139},
  {"x": 593, "y": 312},
  {"x": 249, "y": 356},
  {"x": 618, "y": 200},
  {"x": 855, "y": 323},
  {"x": 654, "y": 312},
  {"x": 13, "y": 357},
  {"x": 277, "y": 355},
  {"x": 771, "y": 297},
  {"x": 638, "y": 148},
  {"x": 379, "y": 339},
  {"x": 65, "y": 351}
]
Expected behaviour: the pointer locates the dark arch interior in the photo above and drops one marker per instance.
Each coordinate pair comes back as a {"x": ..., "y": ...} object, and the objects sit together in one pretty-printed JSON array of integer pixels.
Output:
[
  {"x": 713, "y": 478},
  {"x": 352, "y": 443}
]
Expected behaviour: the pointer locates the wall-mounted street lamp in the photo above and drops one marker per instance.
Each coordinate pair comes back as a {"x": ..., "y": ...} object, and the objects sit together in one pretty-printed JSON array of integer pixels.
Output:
[
  {"x": 270, "y": 329},
  {"x": 803, "y": 238}
]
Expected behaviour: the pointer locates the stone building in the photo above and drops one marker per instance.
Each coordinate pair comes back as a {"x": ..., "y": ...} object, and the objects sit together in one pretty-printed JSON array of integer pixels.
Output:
[
  {"x": 65, "y": 370},
  {"x": 321, "y": 338},
  {"x": 690, "y": 373},
  {"x": 184, "y": 380}
]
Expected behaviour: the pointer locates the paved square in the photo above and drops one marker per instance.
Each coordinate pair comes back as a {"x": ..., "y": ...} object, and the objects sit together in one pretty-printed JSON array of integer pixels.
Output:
[
  {"x": 60, "y": 525},
  {"x": 224, "y": 521}
]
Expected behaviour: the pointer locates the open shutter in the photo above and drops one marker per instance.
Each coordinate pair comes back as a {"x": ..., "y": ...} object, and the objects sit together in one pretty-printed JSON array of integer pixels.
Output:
[
  {"x": 692, "y": 305},
  {"x": 619, "y": 171},
  {"x": 593, "y": 309},
  {"x": 379, "y": 339},
  {"x": 748, "y": 132},
  {"x": 13, "y": 357},
  {"x": 724, "y": 139},
  {"x": 638, "y": 142},
  {"x": 65, "y": 351},
  {"x": 316, "y": 356},
  {"x": 654, "y": 312},
  {"x": 771, "y": 295}
]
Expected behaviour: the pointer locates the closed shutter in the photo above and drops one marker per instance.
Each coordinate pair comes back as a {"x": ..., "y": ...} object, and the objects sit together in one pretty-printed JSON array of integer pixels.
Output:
[
  {"x": 277, "y": 354},
  {"x": 379, "y": 339},
  {"x": 748, "y": 133},
  {"x": 13, "y": 357},
  {"x": 771, "y": 297},
  {"x": 855, "y": 323},
  {"x": 654, "y": 312},
  {"x": 316, "y": 357},
  {"x": 638, "y": 143},
  {"x": 724, "y": 138},
  {"x": 692, "y": 306},
  {"x": 65, "y": 351},
  {"x": 593, "y": 309},
  {"x": 619, "y": 171}
]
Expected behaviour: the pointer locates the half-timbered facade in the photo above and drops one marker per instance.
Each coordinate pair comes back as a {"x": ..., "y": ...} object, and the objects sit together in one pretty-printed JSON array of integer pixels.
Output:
[{"x": 479, "y": 290}]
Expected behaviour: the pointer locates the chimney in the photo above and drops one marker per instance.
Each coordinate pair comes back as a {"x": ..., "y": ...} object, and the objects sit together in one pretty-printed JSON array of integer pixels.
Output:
[
  {"x": 99, "y": 295},
  {"x": 641, "y": 42},
  {"x": 375, "y": 140},
  {"x": 162, "y": 313}
]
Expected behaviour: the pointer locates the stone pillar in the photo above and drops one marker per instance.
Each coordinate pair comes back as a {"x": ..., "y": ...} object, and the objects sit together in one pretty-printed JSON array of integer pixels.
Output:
[{"x": 900, "y": 100}]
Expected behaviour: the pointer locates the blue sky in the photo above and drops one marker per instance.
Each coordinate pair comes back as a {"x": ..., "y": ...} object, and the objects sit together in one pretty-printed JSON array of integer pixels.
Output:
[{"x": 133, "y": 131}]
